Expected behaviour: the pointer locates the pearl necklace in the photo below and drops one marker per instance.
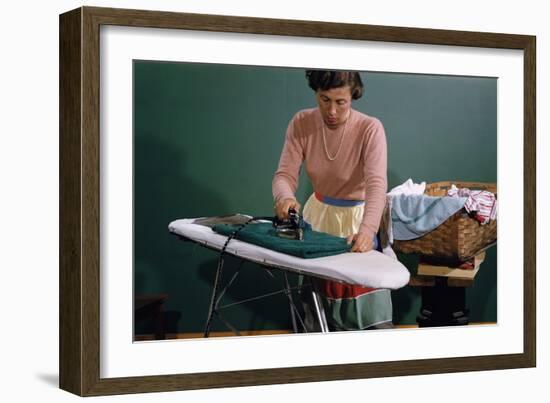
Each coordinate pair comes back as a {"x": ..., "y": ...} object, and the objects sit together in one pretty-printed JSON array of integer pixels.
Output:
[{"x": 341, "y": 139}]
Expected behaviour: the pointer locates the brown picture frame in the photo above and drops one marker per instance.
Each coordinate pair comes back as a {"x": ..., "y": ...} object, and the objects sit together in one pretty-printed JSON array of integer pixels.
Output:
[{"x": 79, "y": 200}]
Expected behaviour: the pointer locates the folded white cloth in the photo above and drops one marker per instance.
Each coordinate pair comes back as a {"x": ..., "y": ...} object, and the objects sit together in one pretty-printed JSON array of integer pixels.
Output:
[{"x": 408, "y": 188}]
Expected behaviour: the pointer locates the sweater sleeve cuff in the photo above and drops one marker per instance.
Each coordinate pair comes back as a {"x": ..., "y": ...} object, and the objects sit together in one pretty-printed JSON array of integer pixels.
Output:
[
  {"x": 364, "y": 229},
  {"x": 282, "y": 196}
]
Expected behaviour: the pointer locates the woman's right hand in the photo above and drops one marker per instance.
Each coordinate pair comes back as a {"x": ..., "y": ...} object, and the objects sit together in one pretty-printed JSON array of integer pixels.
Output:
[{"x": 282, "y": 207}]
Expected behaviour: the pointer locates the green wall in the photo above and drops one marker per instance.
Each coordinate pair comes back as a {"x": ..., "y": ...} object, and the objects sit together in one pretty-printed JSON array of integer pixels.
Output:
[{"x": 207, "y": 140}]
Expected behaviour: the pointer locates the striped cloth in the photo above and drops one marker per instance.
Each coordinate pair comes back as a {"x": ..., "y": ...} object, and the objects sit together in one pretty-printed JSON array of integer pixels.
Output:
[{"x": 481, "y": 204}]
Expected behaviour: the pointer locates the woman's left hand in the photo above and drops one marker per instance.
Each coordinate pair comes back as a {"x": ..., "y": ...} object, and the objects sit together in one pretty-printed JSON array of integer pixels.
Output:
[{"x": 361, "y": 242}]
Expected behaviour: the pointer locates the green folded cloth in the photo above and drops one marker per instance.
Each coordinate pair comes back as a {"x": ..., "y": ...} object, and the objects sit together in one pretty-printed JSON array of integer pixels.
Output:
[{"x": 315, "y": 244}]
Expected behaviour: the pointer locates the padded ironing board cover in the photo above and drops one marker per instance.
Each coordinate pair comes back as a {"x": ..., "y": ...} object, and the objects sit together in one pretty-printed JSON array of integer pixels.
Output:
[{"x": 371, "y": 269}]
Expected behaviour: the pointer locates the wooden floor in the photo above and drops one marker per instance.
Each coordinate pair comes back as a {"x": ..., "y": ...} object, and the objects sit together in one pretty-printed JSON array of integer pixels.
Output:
[{"x": 173, "y": 336}]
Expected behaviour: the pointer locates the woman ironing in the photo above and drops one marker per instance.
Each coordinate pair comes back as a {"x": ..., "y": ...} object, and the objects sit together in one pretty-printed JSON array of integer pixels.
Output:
[{"x": 345, "y": 156}]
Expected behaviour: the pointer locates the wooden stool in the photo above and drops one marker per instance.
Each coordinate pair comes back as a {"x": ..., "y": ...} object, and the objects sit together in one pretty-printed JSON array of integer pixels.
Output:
[
  {"x": 151, "y": 306},
  {"x": 444, "y": 292}
]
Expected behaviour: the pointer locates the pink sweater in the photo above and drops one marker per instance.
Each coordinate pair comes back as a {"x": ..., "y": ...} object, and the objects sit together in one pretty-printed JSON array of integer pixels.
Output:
[{"x": 358, "y": 173}]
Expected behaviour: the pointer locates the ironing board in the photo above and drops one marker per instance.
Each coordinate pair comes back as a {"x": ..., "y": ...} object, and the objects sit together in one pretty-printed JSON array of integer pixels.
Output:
[{"x": 372, "y": 269}]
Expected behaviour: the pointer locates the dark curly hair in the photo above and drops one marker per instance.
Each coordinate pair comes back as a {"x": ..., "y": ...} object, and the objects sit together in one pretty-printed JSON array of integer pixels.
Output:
[{"x": 325, "y": 80}]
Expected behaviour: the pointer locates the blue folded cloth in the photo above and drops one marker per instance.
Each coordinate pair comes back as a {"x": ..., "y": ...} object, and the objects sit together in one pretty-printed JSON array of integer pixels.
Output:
[{"x": 415, "y": 215}]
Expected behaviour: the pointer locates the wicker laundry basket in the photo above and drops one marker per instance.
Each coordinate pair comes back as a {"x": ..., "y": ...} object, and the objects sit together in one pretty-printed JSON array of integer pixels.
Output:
[{"x": 460, "y": 237}]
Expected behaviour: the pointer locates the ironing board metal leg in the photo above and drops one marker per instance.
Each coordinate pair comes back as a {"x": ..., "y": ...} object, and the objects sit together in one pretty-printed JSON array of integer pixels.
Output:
[
  {"x": 227, "y": 324},
  {"x": 228, "y": 285},
  {"x": 323, "y": 315},
  {"x": 214, "y": 300},
  {"x": 288, "y": 293},
  {"x": 320, "y": 312},
  {"x": 218, "y": 292}
]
